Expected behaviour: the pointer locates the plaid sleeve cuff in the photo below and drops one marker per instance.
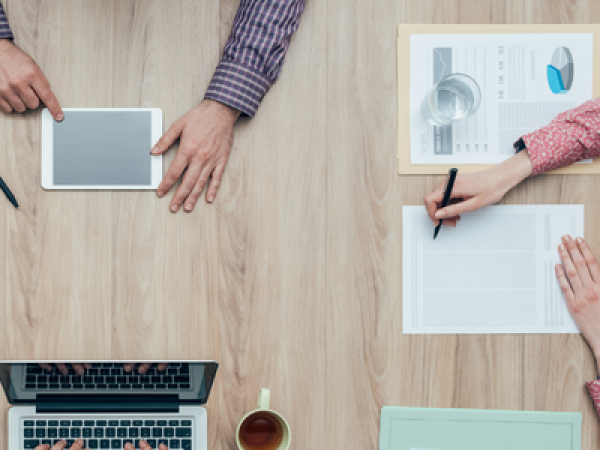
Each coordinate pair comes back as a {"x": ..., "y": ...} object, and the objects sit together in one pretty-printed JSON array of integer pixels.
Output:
[
  {"x": 5, "y": 32},
  {"x": 238, "y": 86}
]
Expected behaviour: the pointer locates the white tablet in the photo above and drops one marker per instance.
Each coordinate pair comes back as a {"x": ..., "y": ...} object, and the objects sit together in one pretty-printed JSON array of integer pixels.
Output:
[{"x": 101, "y": 149}]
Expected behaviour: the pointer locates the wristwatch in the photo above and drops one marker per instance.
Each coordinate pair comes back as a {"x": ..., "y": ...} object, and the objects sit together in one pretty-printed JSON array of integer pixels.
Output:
[{"x": 519, "y": 145}]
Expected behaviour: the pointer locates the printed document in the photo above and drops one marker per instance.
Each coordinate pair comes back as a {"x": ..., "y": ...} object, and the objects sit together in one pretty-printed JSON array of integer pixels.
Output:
[
  {"x": 493, "y": 273},
  {"x": 525, "y": 81}
]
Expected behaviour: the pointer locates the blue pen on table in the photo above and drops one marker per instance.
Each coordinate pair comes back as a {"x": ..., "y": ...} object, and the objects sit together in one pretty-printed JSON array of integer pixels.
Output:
[
  {"x": 9, "y": 195},
  {"x": 449, "y": 184}
]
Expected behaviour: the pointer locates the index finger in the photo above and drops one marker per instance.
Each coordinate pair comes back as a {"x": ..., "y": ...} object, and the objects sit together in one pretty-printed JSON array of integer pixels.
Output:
[
  {"x": 42, "y": 88},
  {"x": 62, "y": 368},
  {"x": 79, "y": 368},
  {"x": 77, "y": 445},
  {"x": 59, "y": 445}
]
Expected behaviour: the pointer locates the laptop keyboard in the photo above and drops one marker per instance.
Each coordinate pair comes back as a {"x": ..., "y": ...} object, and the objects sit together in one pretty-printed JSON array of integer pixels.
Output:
[
  {"x": 103, "y": 376},
  {"x": 109, "y": 434}
]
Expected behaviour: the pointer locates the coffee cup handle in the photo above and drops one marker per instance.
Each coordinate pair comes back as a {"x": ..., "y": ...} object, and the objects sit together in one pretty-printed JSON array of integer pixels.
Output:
[{"x": 264, "y": 398}]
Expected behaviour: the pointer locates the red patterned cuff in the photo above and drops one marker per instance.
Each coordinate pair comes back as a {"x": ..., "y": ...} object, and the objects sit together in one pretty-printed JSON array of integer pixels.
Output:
[{"x": 593, "y": 388}]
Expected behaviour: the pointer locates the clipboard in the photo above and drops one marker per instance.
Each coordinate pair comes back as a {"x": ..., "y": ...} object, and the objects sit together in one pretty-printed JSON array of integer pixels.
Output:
[
  {"x": 475, "y": 429},
  {"x": 403, "y": 88}
]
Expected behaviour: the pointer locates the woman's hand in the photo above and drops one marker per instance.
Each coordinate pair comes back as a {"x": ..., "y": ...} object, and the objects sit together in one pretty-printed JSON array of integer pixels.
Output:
[
  {"x": 476, "y": 190},
  {"x": 579, "y": 279}
]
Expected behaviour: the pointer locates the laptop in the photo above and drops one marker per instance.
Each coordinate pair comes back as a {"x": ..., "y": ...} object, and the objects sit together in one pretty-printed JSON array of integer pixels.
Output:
[{"x": 106, "y": 406}]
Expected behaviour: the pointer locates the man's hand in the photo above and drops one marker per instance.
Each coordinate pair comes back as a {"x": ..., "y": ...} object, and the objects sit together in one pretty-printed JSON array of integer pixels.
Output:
[
  {"x": 144, "y": 446},
  {"x": 78, "y": 445},
  {"x": 143, "y": 368},
  {"x": 477, "y": 190},
  {"x": 60, "y": 445},
  {"x": 206, "y": 136},
  {"x": 579, "y": 279},
  {"x": 22, "y": 83},
  {"x": 80, "y": 368},
  {"x": 62, "y": 368}
]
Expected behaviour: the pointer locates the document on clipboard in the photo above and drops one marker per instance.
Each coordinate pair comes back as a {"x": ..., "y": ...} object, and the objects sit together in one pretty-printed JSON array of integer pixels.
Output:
[
  {"x": 528, "y": 74},
  {"x": 525, "y": 81}
]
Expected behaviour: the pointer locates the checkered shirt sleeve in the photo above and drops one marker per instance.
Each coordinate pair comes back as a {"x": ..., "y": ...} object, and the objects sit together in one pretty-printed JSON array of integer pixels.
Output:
[
  {"x": 254, "y": 53},
  {"x": 5, "y": 32}
]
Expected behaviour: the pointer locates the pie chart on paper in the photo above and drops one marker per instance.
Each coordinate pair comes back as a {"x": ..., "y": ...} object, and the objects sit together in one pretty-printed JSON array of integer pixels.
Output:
[{"x": 560, "y": 71}]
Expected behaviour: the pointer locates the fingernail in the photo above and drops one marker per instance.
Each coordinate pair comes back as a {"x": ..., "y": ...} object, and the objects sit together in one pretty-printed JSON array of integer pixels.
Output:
[
  {"x": 160, "y": 193},
  {"x": 561, "y": 248},
  {"x": 579, "y": 240},
  {"x": 211, "y": 198},
  {"x": 60, "y": 117},
  {"x": 174, "y": 208},
  {"x": 188, "y": 207},
  {"x": 154, "y": 150},
  {"x": 440, "y": 215}
]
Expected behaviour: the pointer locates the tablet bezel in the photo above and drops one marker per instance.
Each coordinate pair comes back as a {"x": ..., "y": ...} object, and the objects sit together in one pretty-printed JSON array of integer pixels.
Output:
[{"x": 156, "y": 162}]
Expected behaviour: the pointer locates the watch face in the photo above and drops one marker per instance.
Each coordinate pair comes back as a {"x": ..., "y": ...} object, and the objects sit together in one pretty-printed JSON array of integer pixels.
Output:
[{"x": 519, "y": 145}]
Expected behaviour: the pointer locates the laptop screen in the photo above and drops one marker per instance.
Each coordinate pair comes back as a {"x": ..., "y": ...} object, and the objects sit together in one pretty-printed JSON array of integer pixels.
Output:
[{"x": 191, "y": 381}]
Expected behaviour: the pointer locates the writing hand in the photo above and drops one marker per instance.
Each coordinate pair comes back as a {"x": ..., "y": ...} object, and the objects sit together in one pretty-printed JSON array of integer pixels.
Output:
[
  {"x": 579, "y": 280},
  {"x": 22, "y": 83},
  {"x": 473, "y": 191},
  {"x": 206, "y": 136}
]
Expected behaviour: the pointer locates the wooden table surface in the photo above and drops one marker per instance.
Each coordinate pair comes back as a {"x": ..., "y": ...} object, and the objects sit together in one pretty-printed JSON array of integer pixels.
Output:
[{"x": 292, "y": 278}]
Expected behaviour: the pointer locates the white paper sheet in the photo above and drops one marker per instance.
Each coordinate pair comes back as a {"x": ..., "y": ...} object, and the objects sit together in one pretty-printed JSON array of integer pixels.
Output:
[
  {"x": 493, "y": 273},
  {"x": 511, "y": 70}
]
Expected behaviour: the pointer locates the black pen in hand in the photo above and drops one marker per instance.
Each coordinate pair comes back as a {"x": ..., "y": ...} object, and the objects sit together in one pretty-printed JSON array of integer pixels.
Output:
[
  {"x": 8, "y": 194},
  {"x": 449, "y": 184}
]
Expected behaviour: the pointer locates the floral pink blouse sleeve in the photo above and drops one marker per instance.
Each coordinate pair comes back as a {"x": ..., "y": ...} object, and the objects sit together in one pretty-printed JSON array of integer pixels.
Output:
[
  {"x": 572, "y": 136},
  {"x": 594, "y": 390}
]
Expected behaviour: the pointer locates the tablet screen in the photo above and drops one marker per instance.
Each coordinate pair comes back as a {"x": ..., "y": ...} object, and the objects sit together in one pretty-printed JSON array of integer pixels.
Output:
[{"x": 102, "y": 148}]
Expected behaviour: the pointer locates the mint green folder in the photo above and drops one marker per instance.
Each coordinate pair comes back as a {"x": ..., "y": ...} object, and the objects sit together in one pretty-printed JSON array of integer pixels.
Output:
[{"x": 475, "y": 429}]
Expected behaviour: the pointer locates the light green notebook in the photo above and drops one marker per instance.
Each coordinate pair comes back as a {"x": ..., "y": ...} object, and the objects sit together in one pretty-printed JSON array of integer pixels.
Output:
[{"x": 477, "y": 429}]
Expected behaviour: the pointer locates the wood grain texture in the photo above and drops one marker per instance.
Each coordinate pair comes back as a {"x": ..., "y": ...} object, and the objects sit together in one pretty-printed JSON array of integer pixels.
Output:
[{"x": 292, "y": 279}]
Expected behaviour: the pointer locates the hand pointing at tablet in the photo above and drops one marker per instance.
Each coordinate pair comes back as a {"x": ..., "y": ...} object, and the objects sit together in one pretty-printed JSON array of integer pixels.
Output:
[{"x": 22, "y": 83}]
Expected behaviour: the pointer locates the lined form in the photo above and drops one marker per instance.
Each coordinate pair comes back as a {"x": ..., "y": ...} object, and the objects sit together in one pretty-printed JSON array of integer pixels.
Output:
[{"x": 493, "y": 273}]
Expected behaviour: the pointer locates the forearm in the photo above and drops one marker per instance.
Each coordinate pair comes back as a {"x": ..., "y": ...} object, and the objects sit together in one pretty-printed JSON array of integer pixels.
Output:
[
  {"x": 514, "y": 170},
  {"x": 570, "y": 137},
  {"x": 5, "y": 32},
  {"x": 254, "y": 53}
]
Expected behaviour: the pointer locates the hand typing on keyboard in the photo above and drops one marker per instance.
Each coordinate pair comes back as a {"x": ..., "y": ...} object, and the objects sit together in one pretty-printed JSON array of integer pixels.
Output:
[
  {"x": 78, "y": 445},
  {"x": 80, "y": 368},
  {"x": 143, "y": 368},
  {"x": 62, "y": 368}
]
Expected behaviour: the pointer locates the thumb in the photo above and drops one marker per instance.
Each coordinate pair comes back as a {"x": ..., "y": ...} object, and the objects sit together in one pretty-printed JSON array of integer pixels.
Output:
[
  {"x": 469, "y": 205},
  {"x": 169, "y": 138}
]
